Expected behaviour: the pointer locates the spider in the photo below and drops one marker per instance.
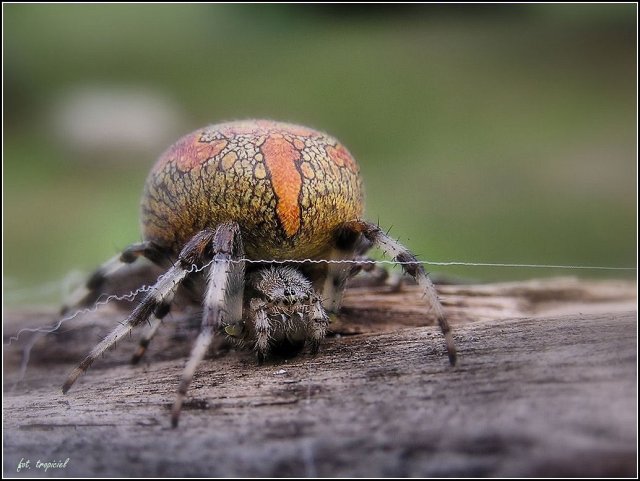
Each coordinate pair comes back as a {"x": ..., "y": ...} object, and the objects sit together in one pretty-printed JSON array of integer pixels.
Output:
[{"x": 250, "y": 190}]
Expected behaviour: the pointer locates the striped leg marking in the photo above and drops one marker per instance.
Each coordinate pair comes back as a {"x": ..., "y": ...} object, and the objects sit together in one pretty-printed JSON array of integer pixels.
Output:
[
  {"x": 412, "y": 267},
  {"x": 154, "y": 325},
  {"x": 155, "y": 302},
  {"x": 222, "y": 302},
  {"x": 122, "y": 264}
]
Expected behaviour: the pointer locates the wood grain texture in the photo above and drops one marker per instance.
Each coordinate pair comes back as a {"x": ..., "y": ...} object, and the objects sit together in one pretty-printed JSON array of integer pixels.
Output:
[{"x": 546, "y": 386}]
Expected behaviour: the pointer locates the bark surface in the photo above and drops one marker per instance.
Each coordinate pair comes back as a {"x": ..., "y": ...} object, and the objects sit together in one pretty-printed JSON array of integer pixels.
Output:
[{"x": 546, "y": 386}]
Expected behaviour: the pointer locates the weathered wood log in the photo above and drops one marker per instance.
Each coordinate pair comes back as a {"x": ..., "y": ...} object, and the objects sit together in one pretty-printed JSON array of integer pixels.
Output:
[{"x": 546, "y": 386}]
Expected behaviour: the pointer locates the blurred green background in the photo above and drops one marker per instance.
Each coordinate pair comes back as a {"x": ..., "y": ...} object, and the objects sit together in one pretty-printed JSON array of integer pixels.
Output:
[{"x": 484, "y": 133}]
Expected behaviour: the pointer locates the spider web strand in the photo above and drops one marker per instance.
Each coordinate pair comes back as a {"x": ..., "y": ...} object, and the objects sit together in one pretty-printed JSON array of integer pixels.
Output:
[
  {"x": 123, "y": 297},
  {"x": 435, "y": 263}
]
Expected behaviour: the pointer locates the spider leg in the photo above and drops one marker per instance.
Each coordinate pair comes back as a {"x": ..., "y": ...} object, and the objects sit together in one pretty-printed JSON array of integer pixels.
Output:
[
  {"x": 122, "y": 264},
  {"x": 154, "y": 325},
  {"x": 155, "y": 303},
  {"x": 263, "y": 328},
  {"x": 411, "y": 266},
  {"x": 146, "y": 338},
  {"x": 376, "y": 274},
  {"x": 348, "y": 244},
  {"x": 336, "y": 279},
  {"x": 318, "y": 324},
  {"x": 222, "y": 302}
]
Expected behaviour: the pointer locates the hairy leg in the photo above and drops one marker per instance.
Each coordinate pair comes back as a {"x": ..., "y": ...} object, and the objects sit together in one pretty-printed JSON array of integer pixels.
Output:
[
  {"x": 411, "y": 266},
  {"x": 120, "y": 266},
  {"x": 155, "y": 303},
  {"x": 318, "y": 322},
  {"x": 222, "y": 303},
  {"x": 262, "y": 327},
  {"x": 348, "y": 245},
  {"x": 154, "y": 325},
  {"x": 335, "y": 280}
]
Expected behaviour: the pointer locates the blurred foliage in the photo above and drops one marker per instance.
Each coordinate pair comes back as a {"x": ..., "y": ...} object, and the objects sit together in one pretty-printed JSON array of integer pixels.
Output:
[{"x": 502, "y": 133}]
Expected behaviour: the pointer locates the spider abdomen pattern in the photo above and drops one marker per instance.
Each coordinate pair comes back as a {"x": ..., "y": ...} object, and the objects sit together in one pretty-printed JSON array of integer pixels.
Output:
[{"x": 287, "y": 186}]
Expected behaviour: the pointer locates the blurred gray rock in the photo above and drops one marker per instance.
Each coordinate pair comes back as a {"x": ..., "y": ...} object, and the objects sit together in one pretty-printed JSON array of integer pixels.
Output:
[{"x": 115, "y": 123}]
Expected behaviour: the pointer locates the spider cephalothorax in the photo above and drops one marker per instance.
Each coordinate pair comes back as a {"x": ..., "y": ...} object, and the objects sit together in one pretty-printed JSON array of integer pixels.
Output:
[
  {"x": 252, "y": 190},
  {"x": 285, "y": 313}
]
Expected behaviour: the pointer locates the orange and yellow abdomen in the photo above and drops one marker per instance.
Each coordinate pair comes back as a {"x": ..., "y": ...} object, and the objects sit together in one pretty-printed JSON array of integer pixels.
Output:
[{"x": 287, "y": 186}]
